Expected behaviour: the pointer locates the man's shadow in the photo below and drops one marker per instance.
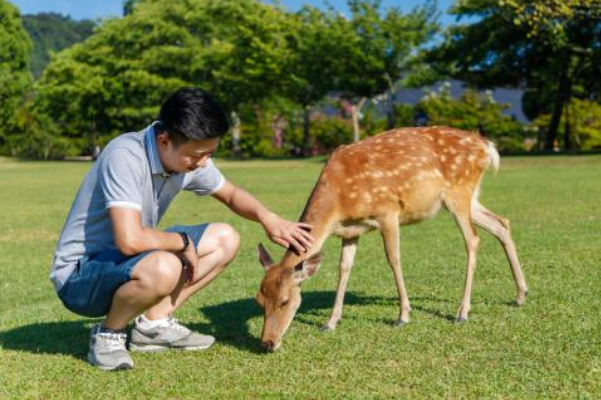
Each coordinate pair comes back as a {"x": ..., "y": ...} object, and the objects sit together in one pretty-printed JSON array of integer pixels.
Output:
[{"x": 66, "y": 338}]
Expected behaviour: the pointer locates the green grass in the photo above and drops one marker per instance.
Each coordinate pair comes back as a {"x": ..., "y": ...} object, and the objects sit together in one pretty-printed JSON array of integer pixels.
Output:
[{"x": 550, "y": 348}]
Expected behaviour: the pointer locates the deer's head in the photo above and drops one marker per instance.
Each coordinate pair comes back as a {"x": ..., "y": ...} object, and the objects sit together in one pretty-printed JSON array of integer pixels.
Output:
[{"x": 280, "y": 295}]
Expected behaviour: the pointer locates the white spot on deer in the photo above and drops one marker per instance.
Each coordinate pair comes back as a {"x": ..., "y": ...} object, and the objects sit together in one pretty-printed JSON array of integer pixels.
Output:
[
  {"x": 443, "y": 158},
  {"x": 471, "y": 158},
  {"x": 440, "y": 142},
  {"x": 349, "y": 180},
  {"x": 352, "y": 195}
]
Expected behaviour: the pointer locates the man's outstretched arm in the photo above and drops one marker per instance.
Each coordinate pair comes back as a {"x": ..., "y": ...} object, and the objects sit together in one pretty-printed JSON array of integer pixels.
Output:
[{"x": 289, "y": 234}]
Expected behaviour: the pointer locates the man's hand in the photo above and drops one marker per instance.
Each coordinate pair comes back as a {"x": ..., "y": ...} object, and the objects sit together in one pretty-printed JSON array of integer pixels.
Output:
[
  {"x": 291, "y": 235},
  {"x": 189, "y": 259}
]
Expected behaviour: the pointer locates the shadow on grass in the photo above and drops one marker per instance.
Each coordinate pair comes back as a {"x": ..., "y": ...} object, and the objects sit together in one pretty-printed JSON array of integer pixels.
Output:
[
  {"x": 228, "y": 322},
  {"x": 68, "y": 338}
]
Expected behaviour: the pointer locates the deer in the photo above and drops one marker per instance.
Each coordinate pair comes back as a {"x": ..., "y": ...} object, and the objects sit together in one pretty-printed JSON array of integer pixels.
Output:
[{"x": 399, "y": 177}]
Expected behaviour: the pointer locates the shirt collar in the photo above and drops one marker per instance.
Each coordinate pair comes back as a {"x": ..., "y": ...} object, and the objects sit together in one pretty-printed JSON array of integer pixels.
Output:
[{"x": 153, "y": 152}]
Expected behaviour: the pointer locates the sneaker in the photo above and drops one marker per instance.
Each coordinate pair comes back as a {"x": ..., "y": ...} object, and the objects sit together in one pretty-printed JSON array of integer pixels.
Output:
[
  {"x": 168, "y": 335},
  {"x": 107, "y": 350}
]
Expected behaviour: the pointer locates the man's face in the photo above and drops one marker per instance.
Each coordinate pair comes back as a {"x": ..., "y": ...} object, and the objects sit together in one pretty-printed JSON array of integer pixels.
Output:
[{"x": 189, "y": 156}]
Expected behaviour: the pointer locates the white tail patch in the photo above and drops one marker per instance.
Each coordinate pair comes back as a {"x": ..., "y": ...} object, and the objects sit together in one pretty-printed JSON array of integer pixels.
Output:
[{"x": 494, "y": 160}]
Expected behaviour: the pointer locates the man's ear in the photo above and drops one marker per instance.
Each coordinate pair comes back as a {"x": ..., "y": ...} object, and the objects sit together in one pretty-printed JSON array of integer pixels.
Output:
[
  {"x": 307, "y": 268},
  {"x": 162, "y": 138},
  {"x": 264, "y": 257}
]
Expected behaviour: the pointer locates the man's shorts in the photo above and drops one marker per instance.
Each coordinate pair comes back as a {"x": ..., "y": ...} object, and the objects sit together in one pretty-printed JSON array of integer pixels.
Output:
[{"x": 90, "y": 288}]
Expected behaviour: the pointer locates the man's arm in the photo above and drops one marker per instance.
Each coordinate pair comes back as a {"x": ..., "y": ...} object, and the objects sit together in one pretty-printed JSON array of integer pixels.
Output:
[
  {"x": 294, "y": 235},
  {"x": 132, "y": 238}
]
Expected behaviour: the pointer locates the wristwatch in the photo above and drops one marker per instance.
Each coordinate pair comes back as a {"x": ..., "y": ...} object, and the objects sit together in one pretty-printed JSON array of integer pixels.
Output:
[{"x": 186, "y": 241}]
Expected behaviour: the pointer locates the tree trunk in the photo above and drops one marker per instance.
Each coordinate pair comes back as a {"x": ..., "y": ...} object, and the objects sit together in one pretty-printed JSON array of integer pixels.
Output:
[
  {"x": 567, "y": 143},
  {"x": 563, "y": 94},
  {"x": 236, "y": 131},
  {"x": 390, "y": 114},
  {"x": 306, "y": 150},
  {"x": 355, "y": 111}
]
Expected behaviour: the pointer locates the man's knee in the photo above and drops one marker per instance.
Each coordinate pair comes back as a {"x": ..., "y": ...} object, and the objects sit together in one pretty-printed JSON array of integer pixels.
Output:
[
  {"x": 226, "y": 239},
  {"x": 160, "y": 272}
]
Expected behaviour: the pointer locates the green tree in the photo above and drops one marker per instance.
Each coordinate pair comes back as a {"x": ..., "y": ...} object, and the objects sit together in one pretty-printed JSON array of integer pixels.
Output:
[
  {"x": 117, "y": 79},
  {"x": 51, "y": 33},
  {"x": 318, "y": 61},
  {"x": 15, "y": 79},
  {"x": 582, "y": 119},
  {"x": 381, "y": 49},
  {"x": 549, "y": 47}
]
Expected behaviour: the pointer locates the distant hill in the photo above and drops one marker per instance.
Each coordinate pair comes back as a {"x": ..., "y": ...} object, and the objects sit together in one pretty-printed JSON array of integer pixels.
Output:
[{"x": 51, "y": 33}]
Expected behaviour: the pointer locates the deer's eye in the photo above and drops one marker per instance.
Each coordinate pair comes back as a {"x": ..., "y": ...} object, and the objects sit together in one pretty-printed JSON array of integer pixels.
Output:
[{"x": 285, "y": 303}]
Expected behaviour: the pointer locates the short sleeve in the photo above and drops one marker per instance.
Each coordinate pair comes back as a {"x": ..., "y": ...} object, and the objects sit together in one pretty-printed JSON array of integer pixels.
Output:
[
  {"x": 204, "y": 181},
  {"x": 121, "y": 175}
]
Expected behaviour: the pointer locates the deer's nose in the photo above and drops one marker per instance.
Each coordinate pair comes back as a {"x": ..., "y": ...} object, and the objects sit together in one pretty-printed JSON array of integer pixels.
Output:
[{"x": 268, "y": 344}]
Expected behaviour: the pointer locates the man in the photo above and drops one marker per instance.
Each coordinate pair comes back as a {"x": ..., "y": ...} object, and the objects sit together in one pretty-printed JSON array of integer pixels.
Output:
[{"x": 112, "y": 261}]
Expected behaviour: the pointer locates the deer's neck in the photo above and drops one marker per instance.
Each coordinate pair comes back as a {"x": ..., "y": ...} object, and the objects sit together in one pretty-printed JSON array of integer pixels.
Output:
[{"x": 320, "y": 212}]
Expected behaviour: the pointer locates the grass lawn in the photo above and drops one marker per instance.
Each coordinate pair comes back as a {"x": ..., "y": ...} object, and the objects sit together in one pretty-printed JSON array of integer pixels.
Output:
[{"x": 550, "y": 348}]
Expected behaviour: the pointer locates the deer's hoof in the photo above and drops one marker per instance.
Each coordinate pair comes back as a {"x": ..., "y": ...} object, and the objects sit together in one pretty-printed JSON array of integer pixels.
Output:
[
  {"x": 326, "y": 328},
  {"x": 460, "y": 320},
  {"x": 400, "y": 323}
]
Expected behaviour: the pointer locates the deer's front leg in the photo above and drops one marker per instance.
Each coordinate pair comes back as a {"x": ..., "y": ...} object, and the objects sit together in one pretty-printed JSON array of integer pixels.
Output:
[
  {"x": 391, "y": 235},
  {"x": 347, "y": 257}
]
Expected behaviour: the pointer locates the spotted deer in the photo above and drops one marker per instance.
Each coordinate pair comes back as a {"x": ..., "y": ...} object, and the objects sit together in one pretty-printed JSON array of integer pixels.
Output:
[{"x": 396, "y": 178}]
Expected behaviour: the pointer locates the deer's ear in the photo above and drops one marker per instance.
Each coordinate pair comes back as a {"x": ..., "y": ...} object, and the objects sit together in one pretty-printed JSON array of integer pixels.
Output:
[
  {"x": 264, "y": 257},
  {"x": 307, "y": 268}
]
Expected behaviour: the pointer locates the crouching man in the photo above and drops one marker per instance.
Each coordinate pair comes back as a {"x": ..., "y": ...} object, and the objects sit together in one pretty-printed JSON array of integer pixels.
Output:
[{"x": 112, "y": 261}]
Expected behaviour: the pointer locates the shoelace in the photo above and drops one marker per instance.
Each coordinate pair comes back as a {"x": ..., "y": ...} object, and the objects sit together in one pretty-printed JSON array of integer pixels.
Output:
[
  {"x": 174, "y": 324},
  {"x": 115, "y": 341}
]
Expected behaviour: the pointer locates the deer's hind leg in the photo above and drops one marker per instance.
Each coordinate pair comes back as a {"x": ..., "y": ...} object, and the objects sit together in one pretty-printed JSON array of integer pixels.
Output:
[
  {"x": 499, "y": 227},
  {"x": 458, "y": 203},
  {"x": 347, "y": 258}
]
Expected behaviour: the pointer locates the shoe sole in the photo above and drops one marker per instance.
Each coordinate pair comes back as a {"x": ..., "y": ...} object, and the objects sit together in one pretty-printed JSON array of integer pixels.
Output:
[
  {"x": 153, "y": 348},
  {"x": 123, "y": 366}
]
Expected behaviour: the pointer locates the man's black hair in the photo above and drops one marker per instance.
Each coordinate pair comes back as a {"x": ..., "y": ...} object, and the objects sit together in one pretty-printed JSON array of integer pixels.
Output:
[{"x": 192, "y": 114}]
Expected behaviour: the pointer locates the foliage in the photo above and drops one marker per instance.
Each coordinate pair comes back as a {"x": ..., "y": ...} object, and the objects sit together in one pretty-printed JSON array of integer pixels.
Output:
[
  {"x": 550, "y": 48},
  {"x": 35, "y": 135},
  {"x": 473, "y": 111},
  {"x": 51, "y": 33},
  {"x": 117, "y": 79},
  {"x": 331, "y": 132},
  {"x": 584, "y": 119},
  {"x": 15, "y": 78}
]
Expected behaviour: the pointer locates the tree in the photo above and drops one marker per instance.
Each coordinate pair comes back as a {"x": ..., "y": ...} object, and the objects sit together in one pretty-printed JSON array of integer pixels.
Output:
[
  {"x": 51, "y": 33},
  {"x": 319, "y": 60},
  {"x": 380, "y": 49},
  {"x": 551, "y": 48},
  {"x": 118, "y": 78},
  {"x": 15, "y": 79}
]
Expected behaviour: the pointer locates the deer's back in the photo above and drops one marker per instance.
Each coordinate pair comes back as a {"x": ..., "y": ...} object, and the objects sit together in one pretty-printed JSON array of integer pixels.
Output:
[{"x": 406, "y": 171}]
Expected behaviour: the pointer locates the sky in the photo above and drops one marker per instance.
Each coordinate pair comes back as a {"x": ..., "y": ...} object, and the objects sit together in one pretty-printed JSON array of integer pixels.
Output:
[{"x": 96, "y": 9}]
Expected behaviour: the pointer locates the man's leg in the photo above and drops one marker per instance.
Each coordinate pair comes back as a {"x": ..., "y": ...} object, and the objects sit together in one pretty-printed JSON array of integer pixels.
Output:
[
  {"x": 216, "y": 249},
  {"x": 156, "y": 280},
  {"x": 155, "y": 277}
]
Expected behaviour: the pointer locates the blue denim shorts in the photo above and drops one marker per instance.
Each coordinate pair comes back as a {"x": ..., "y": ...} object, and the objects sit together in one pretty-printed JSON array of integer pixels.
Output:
[{"x": 90, "y": 288}]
